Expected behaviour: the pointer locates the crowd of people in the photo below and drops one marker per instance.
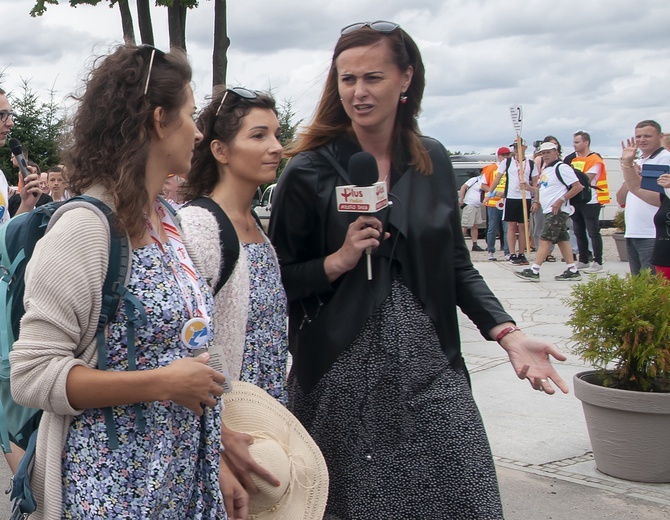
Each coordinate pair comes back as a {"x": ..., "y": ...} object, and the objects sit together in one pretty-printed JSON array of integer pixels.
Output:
[
  {"x": 580, "y": 239},
  {"x": 377, "y": 381}
]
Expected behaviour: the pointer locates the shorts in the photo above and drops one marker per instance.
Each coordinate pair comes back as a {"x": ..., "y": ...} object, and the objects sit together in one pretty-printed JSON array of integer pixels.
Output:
[
  {"x": 555, "y": 228},
  {"x": 514, "y": 210},
  {"x": 471, "y": 216}
]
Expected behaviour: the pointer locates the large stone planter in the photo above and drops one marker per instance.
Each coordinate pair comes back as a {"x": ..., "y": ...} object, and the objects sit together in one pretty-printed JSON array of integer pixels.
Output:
[
  {"x": 620, "y": 242},
  {"x": 629, "y": 431}
]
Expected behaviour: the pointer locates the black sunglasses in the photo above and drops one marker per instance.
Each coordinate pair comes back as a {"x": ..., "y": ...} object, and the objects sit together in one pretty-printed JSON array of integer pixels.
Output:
[
  {"x": 144, "y": 48},
  {"x": 379, "y": 26},
  {"x": 5, "y": 115},
  {"x": 240, "y": 91}
]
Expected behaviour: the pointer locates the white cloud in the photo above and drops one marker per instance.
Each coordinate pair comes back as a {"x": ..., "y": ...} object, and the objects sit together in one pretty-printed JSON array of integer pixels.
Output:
[{"x": 600, "y": 66}]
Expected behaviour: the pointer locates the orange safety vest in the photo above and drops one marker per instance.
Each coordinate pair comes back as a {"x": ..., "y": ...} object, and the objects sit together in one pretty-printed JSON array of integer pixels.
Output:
[
  {"x": 584, "y": 164},
  {"x": 489, "y": 172}
]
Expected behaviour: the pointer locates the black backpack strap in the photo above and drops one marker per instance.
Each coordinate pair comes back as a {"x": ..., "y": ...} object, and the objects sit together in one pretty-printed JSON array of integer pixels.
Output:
[
  {"x": 506, "y": 173},
  {"x": 558, "y": 175},
  {"x": 230, "y": 244}
]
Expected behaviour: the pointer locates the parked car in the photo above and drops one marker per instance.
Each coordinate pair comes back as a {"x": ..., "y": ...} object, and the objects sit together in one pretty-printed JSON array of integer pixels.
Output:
[{"x": 264, "y": 207}]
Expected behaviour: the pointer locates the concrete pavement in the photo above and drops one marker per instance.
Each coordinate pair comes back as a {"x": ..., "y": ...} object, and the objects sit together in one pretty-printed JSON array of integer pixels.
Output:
[{"x": 540, "y": 442}]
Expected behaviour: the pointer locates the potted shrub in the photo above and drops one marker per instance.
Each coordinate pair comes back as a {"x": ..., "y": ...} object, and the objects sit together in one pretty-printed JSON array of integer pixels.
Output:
[
  {"x": 619, "y": 223},
  {"x": 621, "y": 326}
]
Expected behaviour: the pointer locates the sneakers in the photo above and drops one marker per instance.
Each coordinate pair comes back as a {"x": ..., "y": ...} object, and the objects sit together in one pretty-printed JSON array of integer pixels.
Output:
[
  {"x": 520, "y": 260},
  {"x": 476, "y": 247},
  {"x": 492, "y": 257},
  {"x": 595, "y": 268},
  {"x": 529, "y": 275},
  {"x": 568, "y": 275},
  {"x": 509, "y": 258},
  {"x": 582, "y": 265}
]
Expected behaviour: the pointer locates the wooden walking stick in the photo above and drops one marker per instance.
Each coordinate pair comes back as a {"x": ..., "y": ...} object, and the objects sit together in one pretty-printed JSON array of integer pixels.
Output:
[{"x": 517, "y": 120}]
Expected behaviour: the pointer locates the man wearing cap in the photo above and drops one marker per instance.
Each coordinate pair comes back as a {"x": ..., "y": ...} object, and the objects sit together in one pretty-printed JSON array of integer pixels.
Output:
[
  {"x": 515, "y": 188},
  {"x": 586, "y": 218},
  {"x": 493, "y": 202},
  {"x": 554, "y": 198}
]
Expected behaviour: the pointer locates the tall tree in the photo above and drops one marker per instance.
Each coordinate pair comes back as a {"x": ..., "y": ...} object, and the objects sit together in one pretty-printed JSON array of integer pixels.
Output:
[
  {"x": 221, "y": 43},
  {"x": 144, "y": 21}
]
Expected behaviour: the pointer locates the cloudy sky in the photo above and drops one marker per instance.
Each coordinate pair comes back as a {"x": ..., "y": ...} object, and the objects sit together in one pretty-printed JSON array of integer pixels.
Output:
[{"x": 594, "y": 65}]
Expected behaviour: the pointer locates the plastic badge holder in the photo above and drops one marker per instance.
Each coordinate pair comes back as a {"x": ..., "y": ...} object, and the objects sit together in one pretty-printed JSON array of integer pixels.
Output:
[{"x": 650, "y": 174}]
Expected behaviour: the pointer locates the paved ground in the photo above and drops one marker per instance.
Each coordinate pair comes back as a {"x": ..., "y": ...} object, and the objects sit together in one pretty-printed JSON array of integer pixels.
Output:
[{"x": 540, "y": 443}]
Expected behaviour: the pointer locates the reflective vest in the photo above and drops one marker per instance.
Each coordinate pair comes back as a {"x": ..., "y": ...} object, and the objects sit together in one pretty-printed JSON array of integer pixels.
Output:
[
  {"x": 489, "y": 172},
  {"x": 584, "y": 164}
]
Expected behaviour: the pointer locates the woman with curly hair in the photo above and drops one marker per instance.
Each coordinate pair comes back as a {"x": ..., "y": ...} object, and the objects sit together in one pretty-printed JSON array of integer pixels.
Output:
[{"x": 134, "y": 126}]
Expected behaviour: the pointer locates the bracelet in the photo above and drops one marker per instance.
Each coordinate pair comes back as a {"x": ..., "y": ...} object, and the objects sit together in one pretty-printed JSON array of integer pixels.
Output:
[
  {"x": 506, "y": 331},
  {"x": 627, "y": 165}
]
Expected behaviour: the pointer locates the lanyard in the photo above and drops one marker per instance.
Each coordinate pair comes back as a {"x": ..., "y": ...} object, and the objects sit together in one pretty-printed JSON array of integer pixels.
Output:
[{"x": 190, "y": 278}]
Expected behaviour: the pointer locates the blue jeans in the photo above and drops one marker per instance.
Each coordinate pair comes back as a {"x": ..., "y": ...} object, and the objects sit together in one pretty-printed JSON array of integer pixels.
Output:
[
  {"x": 639, "y": 254},
  {"x": 495, "y": 225}
]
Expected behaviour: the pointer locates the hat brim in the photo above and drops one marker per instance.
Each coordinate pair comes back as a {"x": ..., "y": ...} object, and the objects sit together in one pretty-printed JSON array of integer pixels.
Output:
[{"x": 251, "y": 410}]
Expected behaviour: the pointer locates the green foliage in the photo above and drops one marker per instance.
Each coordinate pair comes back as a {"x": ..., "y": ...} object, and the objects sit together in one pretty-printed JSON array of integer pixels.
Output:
[
  {"x": 285, "y": 116},
  {"x": 622, "y": 327},
  {"x": 619, "y": 221},
  {"x": 38, "y": 126}
]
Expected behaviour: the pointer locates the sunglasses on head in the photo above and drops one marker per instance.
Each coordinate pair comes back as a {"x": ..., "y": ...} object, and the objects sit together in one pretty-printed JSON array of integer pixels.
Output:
[
  {"x": 379, "y": 26},
  {"x": 146, "y": 49},
  {"x": 240, "y": 91}
]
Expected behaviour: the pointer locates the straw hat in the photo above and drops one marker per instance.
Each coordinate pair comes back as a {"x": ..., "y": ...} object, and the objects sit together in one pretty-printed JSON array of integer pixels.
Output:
[{"x": 283, "y": 447}]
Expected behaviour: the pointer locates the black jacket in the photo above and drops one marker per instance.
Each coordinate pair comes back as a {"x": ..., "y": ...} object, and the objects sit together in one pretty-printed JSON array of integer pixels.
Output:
[{"x": 426, "y": 249}]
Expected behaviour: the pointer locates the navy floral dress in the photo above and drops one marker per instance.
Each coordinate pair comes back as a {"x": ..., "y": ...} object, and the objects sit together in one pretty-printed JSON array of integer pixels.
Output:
[
  {"x": 266, "y": 347},
  {"x": 171, "y": 469}
]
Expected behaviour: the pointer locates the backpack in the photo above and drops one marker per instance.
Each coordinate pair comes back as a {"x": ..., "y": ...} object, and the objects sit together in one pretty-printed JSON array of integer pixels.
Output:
[
  {"x": 18, "y": 238},
  {"x": 584, "y": 196},
  {"x": 227, "y": 238},
  {"x": 507, "y": 165}
]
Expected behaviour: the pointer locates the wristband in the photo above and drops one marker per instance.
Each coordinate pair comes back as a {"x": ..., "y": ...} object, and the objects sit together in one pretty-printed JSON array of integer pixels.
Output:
[{"x": 506, "y": 331}]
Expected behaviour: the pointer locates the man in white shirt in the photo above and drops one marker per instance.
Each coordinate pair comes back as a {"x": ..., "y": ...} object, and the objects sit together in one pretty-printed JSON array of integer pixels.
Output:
[
  {"x": 554, "y": 196},
  {"x": 639, "y": 215},
  {"x": 470, "y": 199},
  {"x": 516, "y": 186}
]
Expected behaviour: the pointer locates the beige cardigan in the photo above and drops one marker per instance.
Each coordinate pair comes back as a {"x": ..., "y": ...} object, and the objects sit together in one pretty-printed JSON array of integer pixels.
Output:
[{"x": 62, "y": 299}]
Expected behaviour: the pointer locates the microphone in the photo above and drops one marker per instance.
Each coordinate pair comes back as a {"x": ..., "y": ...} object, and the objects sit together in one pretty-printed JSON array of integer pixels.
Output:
[
  {"x": 363, "y": 169},
  {"x": 366, "y": 195},
  {"x": 17, "y": 151}
]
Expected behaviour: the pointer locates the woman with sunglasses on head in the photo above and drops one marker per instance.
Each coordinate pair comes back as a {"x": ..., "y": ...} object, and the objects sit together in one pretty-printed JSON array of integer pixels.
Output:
[
  {"x": 155, "y": 394},
  {"x": 239, "y": 152},
  {"x": 377, "y": 377}
]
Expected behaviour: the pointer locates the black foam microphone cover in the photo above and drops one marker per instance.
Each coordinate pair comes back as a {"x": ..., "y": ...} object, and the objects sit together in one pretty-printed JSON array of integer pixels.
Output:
[{"x": 363, "y": 169}]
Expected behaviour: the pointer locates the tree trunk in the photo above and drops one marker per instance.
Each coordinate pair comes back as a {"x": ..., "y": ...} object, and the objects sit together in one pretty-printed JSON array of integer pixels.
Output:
[
  {"x": 127, "y": 22},
  {"x": 177, "y": 25},
  {"x": 144, "y": 19},
  {"x": 221, "y": 44}
]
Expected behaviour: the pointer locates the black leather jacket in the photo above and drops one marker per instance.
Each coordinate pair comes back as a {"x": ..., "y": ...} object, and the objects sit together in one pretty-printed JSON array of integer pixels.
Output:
[{"x": 426, "y": 249}]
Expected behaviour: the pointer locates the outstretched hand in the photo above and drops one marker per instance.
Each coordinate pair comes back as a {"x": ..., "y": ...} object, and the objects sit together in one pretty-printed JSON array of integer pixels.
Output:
[
  {"x": 628, "y": 150},
  {"x": 530, "y": 360}
]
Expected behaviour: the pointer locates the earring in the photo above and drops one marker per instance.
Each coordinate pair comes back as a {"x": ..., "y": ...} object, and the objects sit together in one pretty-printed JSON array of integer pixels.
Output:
[{"x": 403, "y": 98}]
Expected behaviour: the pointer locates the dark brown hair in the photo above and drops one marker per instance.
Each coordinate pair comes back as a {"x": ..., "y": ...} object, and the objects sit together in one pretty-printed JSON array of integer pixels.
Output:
[
  {"x": 112, "y": 126},
  {"x": 331, "y": 121},
  {"x": 649, "y": 122},
  {"x": 204, "y": 174}
]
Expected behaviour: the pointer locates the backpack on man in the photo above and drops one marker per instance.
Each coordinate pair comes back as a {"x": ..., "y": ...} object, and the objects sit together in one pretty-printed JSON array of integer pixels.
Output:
[{"x": 584, "y": 196}]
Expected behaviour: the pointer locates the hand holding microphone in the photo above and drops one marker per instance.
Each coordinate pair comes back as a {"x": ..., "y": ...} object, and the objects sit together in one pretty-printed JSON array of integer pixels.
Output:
[
  {"x": 366, "y": 196},
  {"x": 29, "y": 176}
]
